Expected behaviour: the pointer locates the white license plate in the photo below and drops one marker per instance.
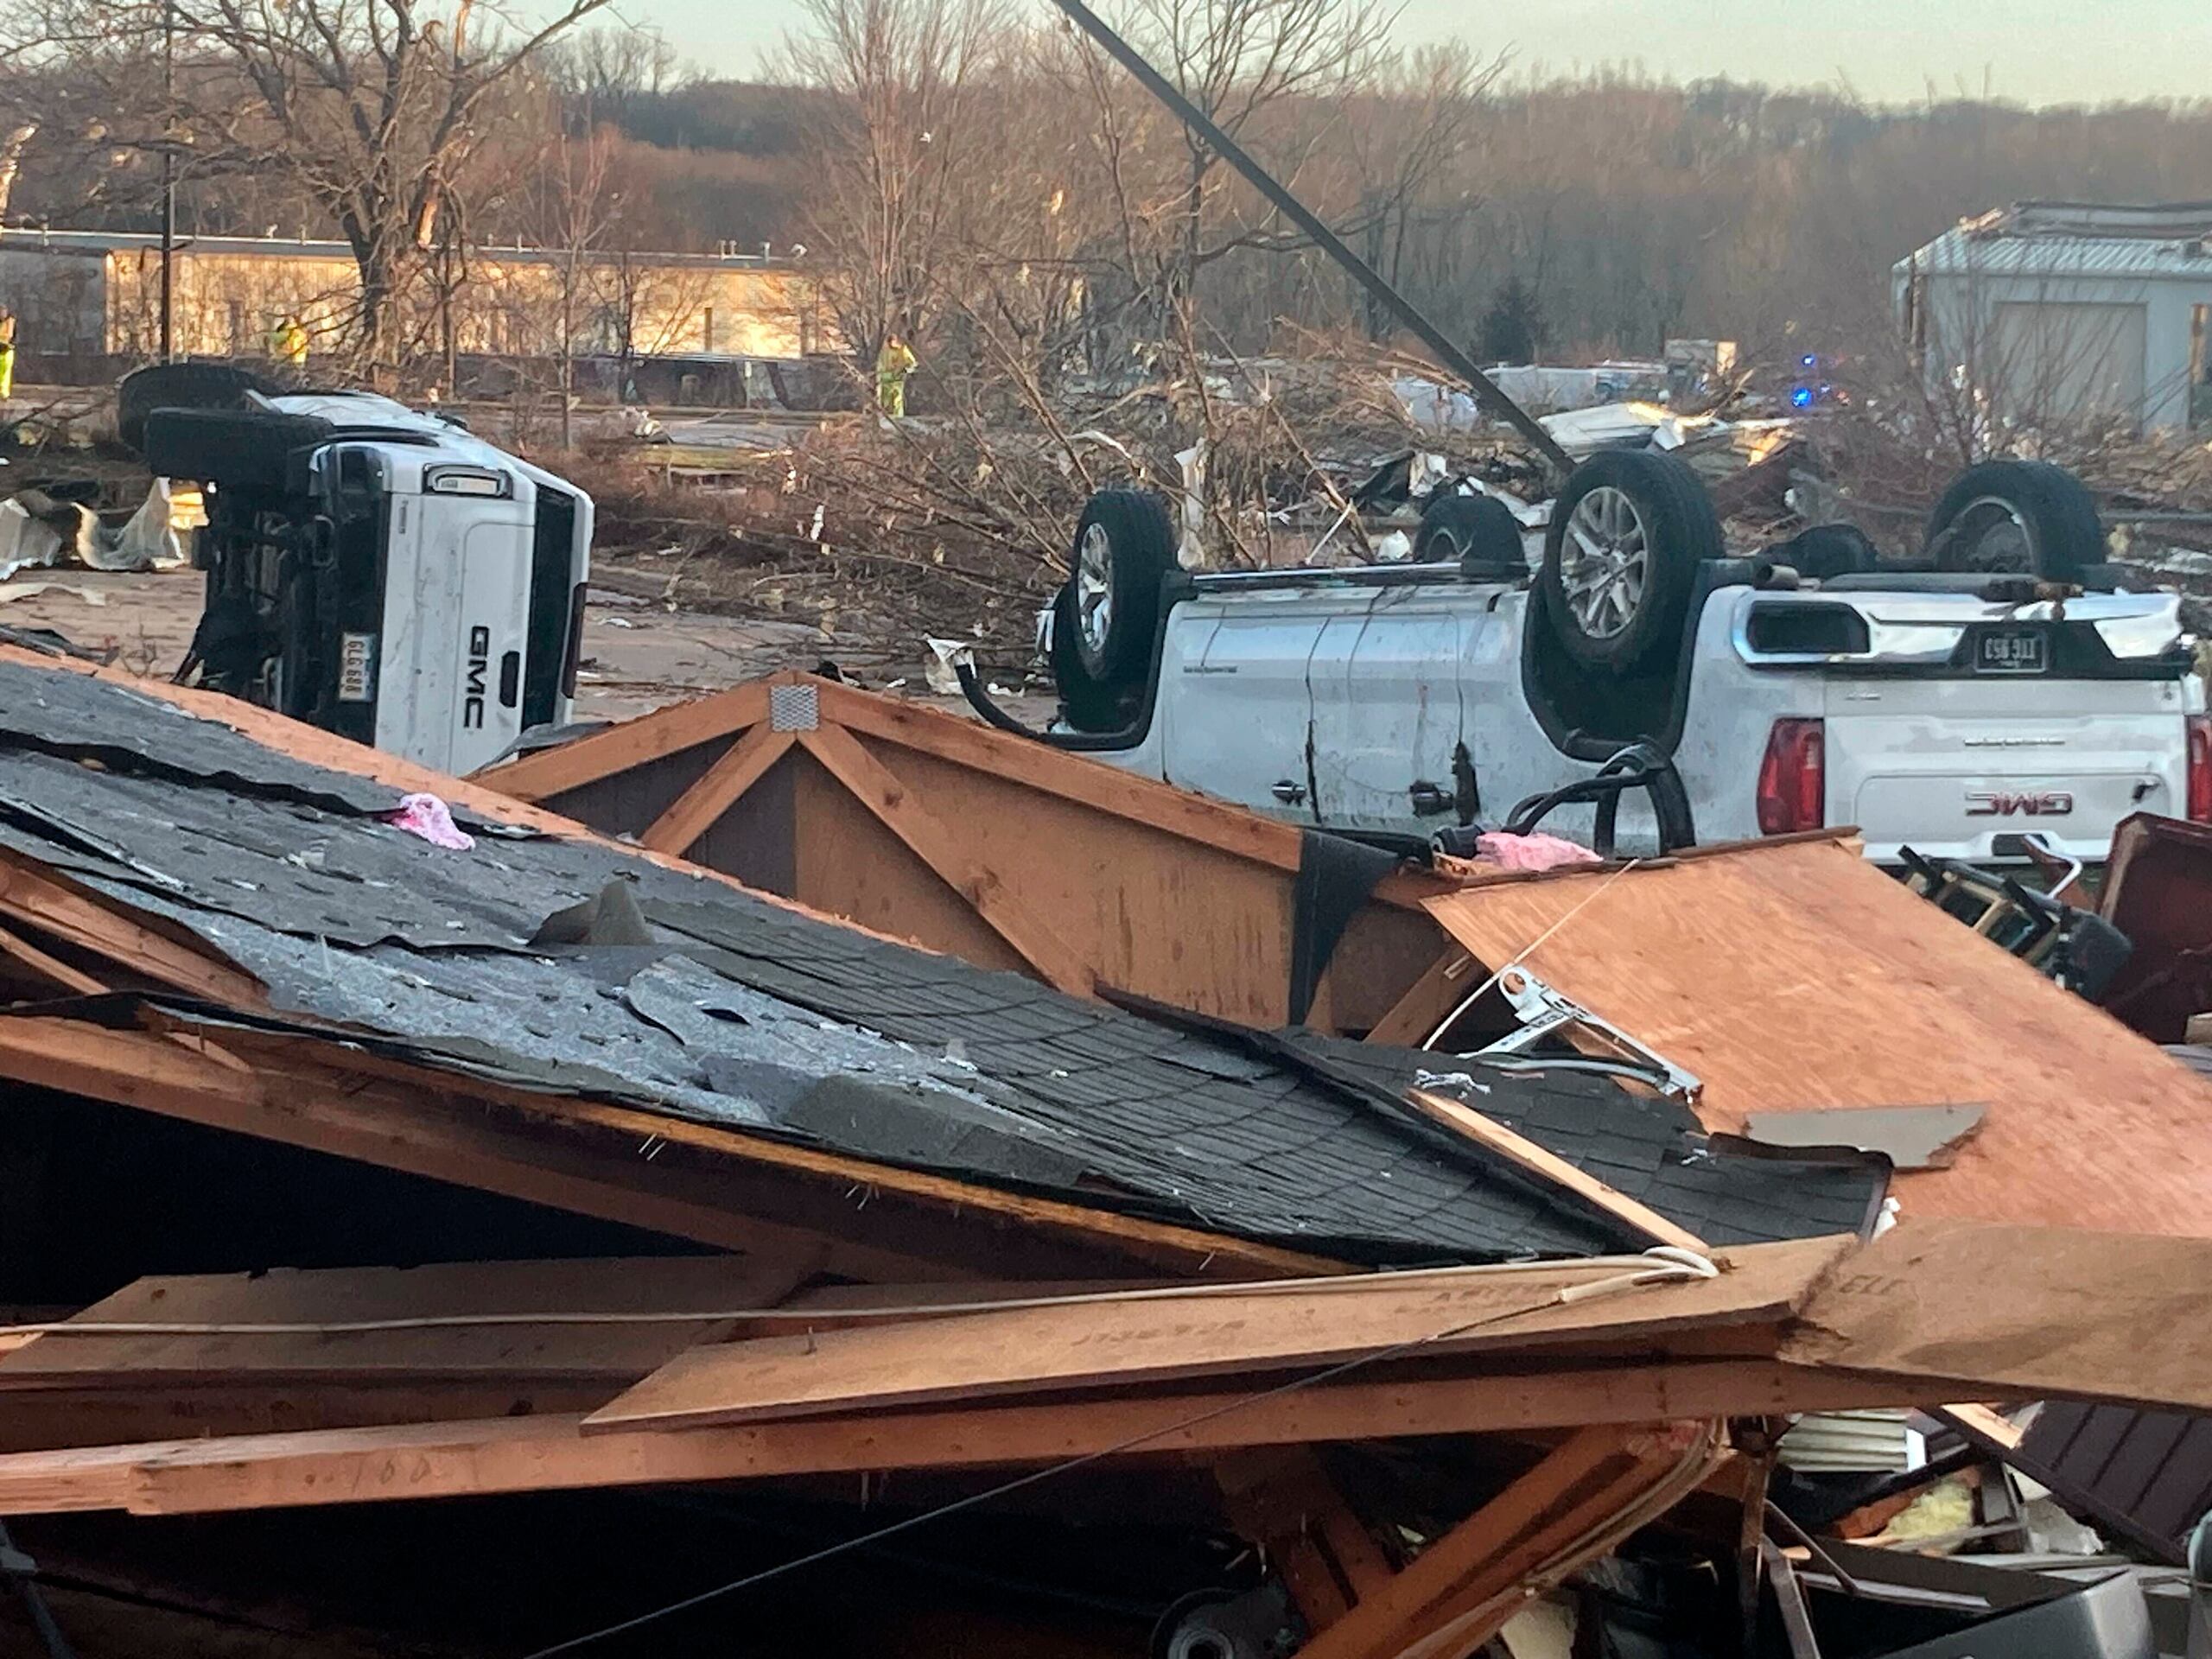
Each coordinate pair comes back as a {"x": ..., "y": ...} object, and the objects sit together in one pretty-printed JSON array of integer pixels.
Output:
[
  {"x": 357, "y": 675},
  {"x": 2012, "y": 651}
]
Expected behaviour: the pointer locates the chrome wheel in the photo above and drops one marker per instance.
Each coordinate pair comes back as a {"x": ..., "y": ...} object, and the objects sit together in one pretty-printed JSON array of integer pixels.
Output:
[
  {"x": 1605, "y": 563},
  {"x": 1093, "y": 590},
  {"x": 1993, "y": 535}
]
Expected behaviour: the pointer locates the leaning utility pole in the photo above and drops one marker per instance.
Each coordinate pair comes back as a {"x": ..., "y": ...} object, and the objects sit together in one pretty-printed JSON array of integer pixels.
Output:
[{"x": 1448, "y": 351}]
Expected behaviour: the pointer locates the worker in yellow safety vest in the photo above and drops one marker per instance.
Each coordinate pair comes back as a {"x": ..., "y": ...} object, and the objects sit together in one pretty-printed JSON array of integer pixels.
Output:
[
  {"x": 287, "y": 343},
  {"x": 892, "y": 364},
  {"x": 7, "y": 354}
]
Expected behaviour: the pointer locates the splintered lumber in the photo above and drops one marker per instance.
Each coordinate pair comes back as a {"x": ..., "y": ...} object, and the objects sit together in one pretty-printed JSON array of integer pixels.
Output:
[
  {"x": 419, "y": 1305},
  {"x": 1158, "y": 1339},
  {"x": 1794, "y": 974},
  {"x": 538, "y": 1453},
  {"x": 2022, "y": 1312}
]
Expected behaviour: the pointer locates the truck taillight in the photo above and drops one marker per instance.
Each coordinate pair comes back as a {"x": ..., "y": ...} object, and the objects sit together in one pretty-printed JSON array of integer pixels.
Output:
[
  {"x": 1792, "y": 778},
  {"x": 2200, "y": 769}
]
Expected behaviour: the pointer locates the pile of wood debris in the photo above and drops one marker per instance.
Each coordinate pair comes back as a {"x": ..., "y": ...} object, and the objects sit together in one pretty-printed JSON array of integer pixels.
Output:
[{"x": 1108, "y": 1271}]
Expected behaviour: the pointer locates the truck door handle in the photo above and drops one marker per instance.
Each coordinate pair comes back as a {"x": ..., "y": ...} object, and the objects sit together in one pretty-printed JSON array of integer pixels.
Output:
[
  {"x": 1429, "y": 799},
  {"x": 1289, "y": 792}
]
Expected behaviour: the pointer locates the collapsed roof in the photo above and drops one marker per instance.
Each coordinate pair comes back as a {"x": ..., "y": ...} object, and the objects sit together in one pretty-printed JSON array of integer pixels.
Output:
[{"x": 753, "y": 1014}]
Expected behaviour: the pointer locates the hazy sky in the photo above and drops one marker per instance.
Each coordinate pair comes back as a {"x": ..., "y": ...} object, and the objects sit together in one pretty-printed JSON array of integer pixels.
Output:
[{"x": 2036, "y": 51}]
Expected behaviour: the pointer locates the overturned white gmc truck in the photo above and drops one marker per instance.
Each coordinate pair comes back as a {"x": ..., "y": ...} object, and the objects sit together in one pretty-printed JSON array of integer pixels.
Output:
[
  {"x": 371, "y": 569},
  {"x": 1635, "y": 681}
]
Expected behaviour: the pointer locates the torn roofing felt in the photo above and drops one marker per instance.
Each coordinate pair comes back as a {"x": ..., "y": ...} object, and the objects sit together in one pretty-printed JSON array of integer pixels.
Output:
[{"x": 749, "y": 1012}]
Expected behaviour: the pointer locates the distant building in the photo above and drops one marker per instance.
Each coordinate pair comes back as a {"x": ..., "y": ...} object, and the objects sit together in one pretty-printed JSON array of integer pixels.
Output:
[
  {"x": 96, "y": 296},
  {"x": 2069, "y": 311}
]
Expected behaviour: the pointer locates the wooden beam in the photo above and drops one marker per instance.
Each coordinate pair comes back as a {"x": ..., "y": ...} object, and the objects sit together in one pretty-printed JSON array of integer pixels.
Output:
[
  {"x": 553, "y": 772},
  {"x": 881, "y": 792},
  {"x": 173, "y": 1329},
  {"x": 1548, "y": 1165},
  {"x": 1427, "y": 1000},
  {"x": 47, "y": 966},
  {"x": 548, "y": 1452},
  {"x": 1552, "y": 1548},
  {"x": 1282, "y": 1499},
  {"x": 695, "y": 811},
  {"x": 1230, "y": 1329}
]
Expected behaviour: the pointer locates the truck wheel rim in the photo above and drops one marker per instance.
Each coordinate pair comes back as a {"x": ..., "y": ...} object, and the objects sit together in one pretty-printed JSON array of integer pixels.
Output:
[
  {"x": 1094, "y": 589},
  {"x": 1994, "y": 535},
  {"x": 1607, "y": 558}
]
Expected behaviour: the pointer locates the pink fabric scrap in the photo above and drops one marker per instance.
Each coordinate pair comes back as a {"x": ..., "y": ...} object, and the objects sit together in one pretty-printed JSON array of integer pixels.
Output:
[
  {"x": 1535, "y": 852},
  {"x": 429, "y": 817}
]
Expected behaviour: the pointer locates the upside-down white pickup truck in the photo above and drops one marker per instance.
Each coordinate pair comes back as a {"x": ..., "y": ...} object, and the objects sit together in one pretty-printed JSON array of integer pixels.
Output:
[{"x": 2008, "y": 683}]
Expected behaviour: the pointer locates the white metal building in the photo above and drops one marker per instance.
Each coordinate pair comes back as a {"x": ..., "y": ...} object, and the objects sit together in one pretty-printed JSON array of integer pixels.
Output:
[{"x": 2055, "y": 310}]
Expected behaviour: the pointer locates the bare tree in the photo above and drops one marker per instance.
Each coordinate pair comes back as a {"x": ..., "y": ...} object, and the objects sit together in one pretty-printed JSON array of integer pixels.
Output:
[
  {"x": 372, "y": 106},
  {"x": 902, "y": 146},
  {"x": 1272, "y": 70},
  {"x": 570, "y": 218}
]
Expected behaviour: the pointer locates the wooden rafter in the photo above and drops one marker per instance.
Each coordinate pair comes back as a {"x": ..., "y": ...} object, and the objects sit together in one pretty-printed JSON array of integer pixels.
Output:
[
  {"x": 1282, "y": 1499},
  {"x": 737, "y": 770},
  {"x": 884, "y": 794},
  {"x": 40, "y": 898},
  {"x": 550, "y": 1453},
  {"x": 553, "y": 772},
  {"x": 1540, "y": 1161}
]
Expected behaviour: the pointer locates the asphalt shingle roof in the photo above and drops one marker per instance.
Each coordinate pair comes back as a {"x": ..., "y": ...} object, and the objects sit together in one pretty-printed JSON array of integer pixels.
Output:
[{"x": 748, "y": 1013}]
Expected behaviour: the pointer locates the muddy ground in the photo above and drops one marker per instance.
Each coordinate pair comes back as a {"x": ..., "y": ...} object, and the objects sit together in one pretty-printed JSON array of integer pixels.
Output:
[{"x": 639, "y": 655}]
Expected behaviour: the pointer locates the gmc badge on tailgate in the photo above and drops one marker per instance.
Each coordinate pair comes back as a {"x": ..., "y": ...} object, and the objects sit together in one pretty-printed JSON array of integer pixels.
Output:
[
  {"x": 479, "y": 671},
  {"x": 2009, "y": 803}
]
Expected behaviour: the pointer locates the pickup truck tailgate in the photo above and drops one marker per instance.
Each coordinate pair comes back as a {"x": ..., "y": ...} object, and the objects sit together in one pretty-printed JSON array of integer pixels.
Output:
[{"x": 1960, "y": 767}]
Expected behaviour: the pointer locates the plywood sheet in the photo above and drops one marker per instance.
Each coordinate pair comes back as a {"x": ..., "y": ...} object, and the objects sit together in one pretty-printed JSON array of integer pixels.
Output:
[
  {"x": 409, "y": 1297},
  {"x": 1797, "y": 975},
  {"x": 2022, "y": 1311},
  {"x": 1155, "y": 1340}
]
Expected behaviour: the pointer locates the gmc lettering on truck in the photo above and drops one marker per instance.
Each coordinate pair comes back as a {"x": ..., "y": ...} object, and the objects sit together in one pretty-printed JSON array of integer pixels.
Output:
[{"x": 479, "y": 669}]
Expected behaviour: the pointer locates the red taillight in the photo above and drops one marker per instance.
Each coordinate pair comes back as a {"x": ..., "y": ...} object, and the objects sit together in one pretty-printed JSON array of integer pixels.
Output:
[
  {"x": 2200, "y": 769},
  {"x": 1793, "y": 779}
]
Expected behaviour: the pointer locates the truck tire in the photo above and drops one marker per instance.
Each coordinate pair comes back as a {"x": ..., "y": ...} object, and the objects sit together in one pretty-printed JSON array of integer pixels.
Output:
[
  {"x": 1108, "y": 611},
  {"x": 179, "y": 386},
  {"x": 2017, "y": 516},
  {"x": 1478, "y": 533},
  {"x": 245, "y": 451},
  {"x": 1627, "y": 535}
]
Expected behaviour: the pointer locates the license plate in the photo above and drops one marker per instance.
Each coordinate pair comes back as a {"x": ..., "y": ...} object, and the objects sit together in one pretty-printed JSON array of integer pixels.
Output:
[
  {"x": 357, "y": 667},
  {"x": 2012, "y": 651}
]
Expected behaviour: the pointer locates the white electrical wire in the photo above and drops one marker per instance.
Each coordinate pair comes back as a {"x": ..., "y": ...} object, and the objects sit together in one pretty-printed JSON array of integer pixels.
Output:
[
  {"x": 1333, "y": 1284},
  {"x": 1523, "y": 954}
]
